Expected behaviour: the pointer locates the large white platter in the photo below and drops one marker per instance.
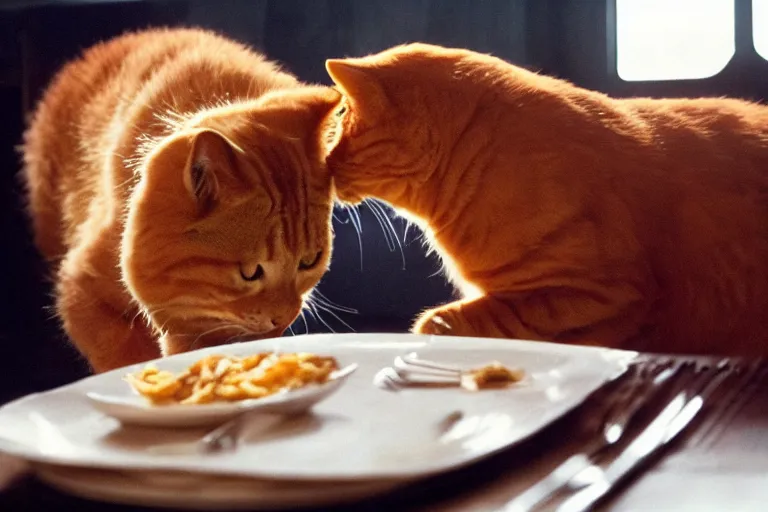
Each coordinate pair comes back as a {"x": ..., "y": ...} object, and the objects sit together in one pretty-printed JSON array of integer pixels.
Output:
[
  {"x": 361, "y": 433},
  {"x": 199, "y": 491}
]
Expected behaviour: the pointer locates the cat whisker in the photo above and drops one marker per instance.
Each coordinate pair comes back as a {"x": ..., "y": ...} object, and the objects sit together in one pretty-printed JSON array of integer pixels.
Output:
[
  {"x": 387, "y": 227},
  {"x": 335, "y": 307},
  {"x": 53, "y": 313},
  {"x": 437, "y": 272},
  {"x": 161, "y": 329},
  {"x": 388, "y": 236},
  {"x": 334, "y": 315},
  {"x": 354, "y": 217},
  {"x": 216, "y": 329},
  {"x": 235, "y": 336},
  {"x": 308, "y": 308},
  {"x": 316, "y": 314},
  {"x": 133, "y": 319},
  {"x": 147, "y": 314},
  {"x": 418, "y": 235},
  {"x": 125, "y": 314},
  {"x": 354, "y": 213},
  {"x": 304, "y": 319},
  {"x": 321, "y": 303},
  {"x": 139, "y": 312},
  {"x": 318, "y": 297},
  {"x": 405, "y": 232},
  {"x": 123, "y": 184}
]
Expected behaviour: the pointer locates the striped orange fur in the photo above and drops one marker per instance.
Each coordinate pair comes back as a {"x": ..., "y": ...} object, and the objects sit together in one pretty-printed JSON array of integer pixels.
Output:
[
  {"x": 178, "y": 190},
  {"x": 561, "y": 213}
]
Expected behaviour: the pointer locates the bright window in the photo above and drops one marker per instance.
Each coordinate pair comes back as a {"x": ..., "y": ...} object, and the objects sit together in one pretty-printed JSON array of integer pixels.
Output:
[
  {"x": 675, "y": 39},
  {"x": 760, "y": 26}
]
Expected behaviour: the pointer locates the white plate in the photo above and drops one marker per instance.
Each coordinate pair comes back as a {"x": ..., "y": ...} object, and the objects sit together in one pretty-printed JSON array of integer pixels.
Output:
[
  {"x": 132, "y": 409},
  {"x": 205, "y": 492},
  {"x": 359, "y": 433}
]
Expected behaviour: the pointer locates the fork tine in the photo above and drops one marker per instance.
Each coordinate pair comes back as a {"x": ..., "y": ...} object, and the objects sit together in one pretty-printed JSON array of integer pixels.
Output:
[
  {"x": 387, "y": 379},
  {"x": 708, "y": 381},
  {"x": 413, "y": 359},
  {"x": 724, "y": 407},
  {"x": 390, "y": 379},
  {"x": 652, "y": 378},
  {"x": 412, "y": 373},
  {"x": 428, "y": 380}
]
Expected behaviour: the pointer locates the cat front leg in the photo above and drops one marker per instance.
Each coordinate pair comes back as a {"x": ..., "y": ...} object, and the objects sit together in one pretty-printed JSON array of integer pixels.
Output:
[
  {"x": 476, "y": 317},
  {"x": 568, "y": 317},
  {"x": 107, "y": 333}
]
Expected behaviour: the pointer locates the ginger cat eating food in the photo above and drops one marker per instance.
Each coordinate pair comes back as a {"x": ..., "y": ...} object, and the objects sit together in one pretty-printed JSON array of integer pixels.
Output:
[
  {"x": 178, "y": 190},
  {"x": 563, "y": 214}
]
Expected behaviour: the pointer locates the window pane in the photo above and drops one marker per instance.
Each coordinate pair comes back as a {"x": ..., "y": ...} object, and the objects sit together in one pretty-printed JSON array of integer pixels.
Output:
[
  {"x": 760, "y": 26},
  {"x": 673, "y": 39}
]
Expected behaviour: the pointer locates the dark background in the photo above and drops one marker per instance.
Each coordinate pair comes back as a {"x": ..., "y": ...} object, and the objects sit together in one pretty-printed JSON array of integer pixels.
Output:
[{"x": 571, "y": 39}]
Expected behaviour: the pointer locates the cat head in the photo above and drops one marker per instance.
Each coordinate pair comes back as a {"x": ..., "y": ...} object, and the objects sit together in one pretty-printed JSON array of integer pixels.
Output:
[
  {"x": 390, "y": 119},
  {"x": 229, "y": 227}
]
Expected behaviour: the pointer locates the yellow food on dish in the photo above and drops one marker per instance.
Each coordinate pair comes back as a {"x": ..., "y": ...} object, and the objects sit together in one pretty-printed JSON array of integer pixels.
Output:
[
  {"x": 492, "y": 375},
  {"x": 219, "y": 378}
]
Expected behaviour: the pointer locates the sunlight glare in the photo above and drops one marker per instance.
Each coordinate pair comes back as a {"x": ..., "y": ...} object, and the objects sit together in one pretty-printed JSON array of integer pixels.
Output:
[
  {"x": 760, "y": 27},
  {"x": 673, "y": 39}
]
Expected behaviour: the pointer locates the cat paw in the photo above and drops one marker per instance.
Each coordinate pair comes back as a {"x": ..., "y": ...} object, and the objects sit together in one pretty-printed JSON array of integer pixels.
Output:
[{"x": 435, "y": 323}]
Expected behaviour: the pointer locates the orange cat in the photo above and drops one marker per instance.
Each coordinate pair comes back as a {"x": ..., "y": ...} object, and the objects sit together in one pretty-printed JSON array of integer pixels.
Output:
[
  {"x": 561, "y": 213},
  {"x": 176, "y": 175}
]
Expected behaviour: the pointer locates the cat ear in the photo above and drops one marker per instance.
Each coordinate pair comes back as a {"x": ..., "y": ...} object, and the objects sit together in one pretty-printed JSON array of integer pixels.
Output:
[
  {"x": 210, "y": 158},
  {"x": 359, "y": 83}
]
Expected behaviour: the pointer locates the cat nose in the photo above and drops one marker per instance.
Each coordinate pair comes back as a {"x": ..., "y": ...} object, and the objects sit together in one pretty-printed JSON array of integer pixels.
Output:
[
  {"x": 279, "y": 325},
  {"x": 279, "y": 328},
  {"x": 286, "y": 313},
  {"x": 283, "y": 320}
]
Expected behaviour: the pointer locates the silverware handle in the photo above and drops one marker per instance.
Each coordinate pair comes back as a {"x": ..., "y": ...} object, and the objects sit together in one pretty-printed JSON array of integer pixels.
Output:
[
  {"x": 545, "y": 487},
  {"x": 641, "y": 399},
  {"x": 665, "y": 427},
  {"x": 627, "y": 462},
  {"x": 224, "y": 436}
]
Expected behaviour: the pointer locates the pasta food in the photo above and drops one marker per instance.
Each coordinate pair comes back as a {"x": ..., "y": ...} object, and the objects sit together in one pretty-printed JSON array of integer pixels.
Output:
[{"x": 219, "y": 378}]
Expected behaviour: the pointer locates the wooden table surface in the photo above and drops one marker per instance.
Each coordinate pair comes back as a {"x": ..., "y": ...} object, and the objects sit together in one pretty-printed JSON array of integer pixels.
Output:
[{"x": 724, "y": 468}]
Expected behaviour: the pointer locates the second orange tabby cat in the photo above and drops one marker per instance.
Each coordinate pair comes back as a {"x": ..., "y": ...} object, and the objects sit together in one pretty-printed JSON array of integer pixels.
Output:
[{"x": 561, "y": 213}]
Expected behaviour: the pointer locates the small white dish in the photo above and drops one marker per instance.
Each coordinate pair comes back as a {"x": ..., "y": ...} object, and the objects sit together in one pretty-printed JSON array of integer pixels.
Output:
[{"x": 134, "y": 409}]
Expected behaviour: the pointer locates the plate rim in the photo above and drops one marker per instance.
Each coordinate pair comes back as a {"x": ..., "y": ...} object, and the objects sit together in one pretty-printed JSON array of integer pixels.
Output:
[{"x": 55, "y": 475}]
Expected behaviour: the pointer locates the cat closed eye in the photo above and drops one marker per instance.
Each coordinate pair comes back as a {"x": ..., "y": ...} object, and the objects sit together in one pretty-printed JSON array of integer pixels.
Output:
[
  {"x": 310, "y": 262},
  {"x": 251, "y": 273}
]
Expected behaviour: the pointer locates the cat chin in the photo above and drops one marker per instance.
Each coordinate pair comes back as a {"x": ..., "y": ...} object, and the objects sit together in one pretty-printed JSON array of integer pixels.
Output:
[
  {"x": 346, "y": 197},
  {"x": 171, "y": 344},
  {"x": 349, "y": 200}
]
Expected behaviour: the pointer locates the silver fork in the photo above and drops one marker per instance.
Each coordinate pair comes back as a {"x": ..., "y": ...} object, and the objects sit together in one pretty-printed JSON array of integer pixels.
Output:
[
  {"x": 412, "y": 371},
  {"x": 677, "y": 415},
  {"x": 728, "y": 404},
  {"x": 649, "y": 381}
]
